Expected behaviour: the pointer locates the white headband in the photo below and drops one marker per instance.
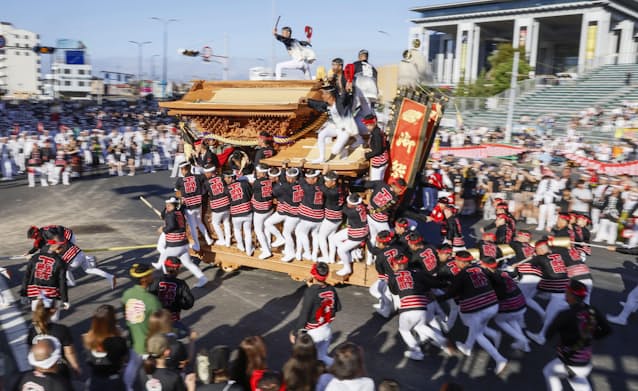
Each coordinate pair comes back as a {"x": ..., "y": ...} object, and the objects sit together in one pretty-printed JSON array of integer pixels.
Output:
[{"x": 53, "y": 358}]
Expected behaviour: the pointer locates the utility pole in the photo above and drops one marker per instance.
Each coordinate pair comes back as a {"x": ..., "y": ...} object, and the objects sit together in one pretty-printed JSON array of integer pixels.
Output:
[
  {"x": 153, "y": 73},
  {"x": 165, "y": 22},
  {"x": 227, "y": 59},
  {"x": 140, "y": 45},
  {"x": 510, "y": 104}
]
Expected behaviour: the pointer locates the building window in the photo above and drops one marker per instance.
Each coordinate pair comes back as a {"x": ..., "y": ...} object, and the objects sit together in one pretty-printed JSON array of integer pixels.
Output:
[
  {"x": 81, "y": 83},
  {"x": 27, "y": 53},
  {"x": 2, "y": 52},
  {"x": 26, "y": 37},
  {"x": 67, "y": 71},
  {"x": 80, "y": 71},
  {"x": 17, "y": 53},
  {"x": 67, "y": 83}
]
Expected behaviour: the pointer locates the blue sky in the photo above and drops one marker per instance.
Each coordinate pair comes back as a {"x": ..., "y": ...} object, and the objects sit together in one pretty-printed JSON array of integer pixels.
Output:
[{"x": 341, "y": 28}]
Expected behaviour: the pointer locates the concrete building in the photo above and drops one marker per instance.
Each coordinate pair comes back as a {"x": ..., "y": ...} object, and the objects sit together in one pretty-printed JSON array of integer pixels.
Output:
[
  {"x": 19, "y": 64},
  {"x": 71, "y": 70},
  {"x": 558, "y": 35}
]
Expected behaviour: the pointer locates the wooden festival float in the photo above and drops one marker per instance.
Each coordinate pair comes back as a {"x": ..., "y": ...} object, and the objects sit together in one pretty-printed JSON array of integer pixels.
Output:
[{"x": 235, "y": 112}]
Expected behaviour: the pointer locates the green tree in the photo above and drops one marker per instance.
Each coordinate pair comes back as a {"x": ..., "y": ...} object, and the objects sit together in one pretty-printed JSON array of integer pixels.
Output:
[
  {"x": 501, "y": 61},
  {"x": 481, "y": 87},
  {"x": 461, "y": 88}
]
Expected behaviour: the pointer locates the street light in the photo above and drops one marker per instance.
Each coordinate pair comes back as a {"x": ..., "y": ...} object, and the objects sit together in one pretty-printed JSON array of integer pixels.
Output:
[
  {"x": 153, "y": 75},
  {"x": 139, "y": 58},
  {"x": 164, "y": 65}
]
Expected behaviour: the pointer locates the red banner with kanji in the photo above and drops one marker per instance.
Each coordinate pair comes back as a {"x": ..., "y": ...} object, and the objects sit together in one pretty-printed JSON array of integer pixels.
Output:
[{"x": 412, "y": 138}]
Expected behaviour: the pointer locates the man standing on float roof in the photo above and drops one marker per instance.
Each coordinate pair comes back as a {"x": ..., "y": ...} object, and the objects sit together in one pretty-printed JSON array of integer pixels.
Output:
[{"x": 299, "y": 54}]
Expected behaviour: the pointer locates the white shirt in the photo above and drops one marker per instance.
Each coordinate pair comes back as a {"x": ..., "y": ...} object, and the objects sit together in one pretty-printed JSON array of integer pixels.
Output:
[
  {"x": 581, "y": 198},
  {"x": 547, "y": 191}
]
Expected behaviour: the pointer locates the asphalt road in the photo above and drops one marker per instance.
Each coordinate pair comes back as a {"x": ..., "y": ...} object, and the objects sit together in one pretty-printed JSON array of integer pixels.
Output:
[{"x": 106, "y": 212}]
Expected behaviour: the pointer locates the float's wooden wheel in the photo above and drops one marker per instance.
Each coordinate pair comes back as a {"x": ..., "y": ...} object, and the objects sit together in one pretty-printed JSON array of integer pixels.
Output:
[{"x": 229, "y": 267}]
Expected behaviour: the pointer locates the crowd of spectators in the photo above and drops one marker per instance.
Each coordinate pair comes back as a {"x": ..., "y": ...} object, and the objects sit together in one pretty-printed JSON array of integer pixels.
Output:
[
  {"x": 58, "y": 141},
  {"x": 611, "y": 201},
  {"x": 170, "y": 363}
]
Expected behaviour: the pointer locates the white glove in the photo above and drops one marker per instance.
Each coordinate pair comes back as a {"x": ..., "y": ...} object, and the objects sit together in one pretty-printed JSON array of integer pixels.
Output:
[{"x": 66, "y": 306}]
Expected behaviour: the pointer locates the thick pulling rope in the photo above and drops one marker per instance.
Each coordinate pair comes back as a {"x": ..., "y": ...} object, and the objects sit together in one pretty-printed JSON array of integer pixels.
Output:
[{"x": 105, "y": 249}]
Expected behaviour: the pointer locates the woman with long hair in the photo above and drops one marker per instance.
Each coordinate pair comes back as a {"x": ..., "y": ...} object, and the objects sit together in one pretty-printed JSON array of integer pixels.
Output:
[
  {"x": 106, "y": 349},
  {"x": 160, "y": 322},
  {"x": 42, "y": 325},
  {"x": 250, "y": 363},
  {"x": 347, "y": 372},
  {"x": 302, "y": 370}
]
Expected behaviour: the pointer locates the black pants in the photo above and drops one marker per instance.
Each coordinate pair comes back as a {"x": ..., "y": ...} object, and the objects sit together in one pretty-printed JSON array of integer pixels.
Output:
[{"x": 99, "y": 383}]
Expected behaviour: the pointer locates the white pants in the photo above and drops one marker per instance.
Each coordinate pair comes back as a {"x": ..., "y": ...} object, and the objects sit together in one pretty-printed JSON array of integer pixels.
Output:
[
  {"x": 7, "y": 168},
  {"x": 194, "y": 219},
  {"x": 303, "y": 229},
  {"x": 259, "y": 220},
  {"x": 49, "y": 171},
  {"x": 527, "y": 285},
  {"x": 244, "y": 223},
  {"x": 546, "y": 214},
  {"x": 20, "y": 162},
  {"x": 512, "y": 323},
  {"x": 292, "y": 64},
  {"x": 589, "y": 283},
  {"x": 326, "y": 229},
  {"x": 182, "y": 253},
  {"x": 179, "y": 158},
  {"x": 64, "y": 171},
  {"x": 453, "y": 314},
  {"x": 378, "y": 173},
  {"x": 290, "y": 223},
  {"x": 415, "y": 320},
  {"x": 271, "y": 230},
  {"x": 329, "y": 132},
  {"x": 631, "y": 304},
  {"x": 556, "y": 370},
  {"x": 217, "y": 219},
  {"x": 343, "y": 246},
  {"x": 87, "y": 263},
  {"x": 322, "y": 336},
  {"x": 380, "y": 291},
  {"x": 557, "y": 303},
  {"x": 476, "y": 323},
  {"x": 31, "y": 171},
  {"x": 595, "y": 218},
  {"x": 161, "y": 243},
  {"x": 607, "y": 231}
]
